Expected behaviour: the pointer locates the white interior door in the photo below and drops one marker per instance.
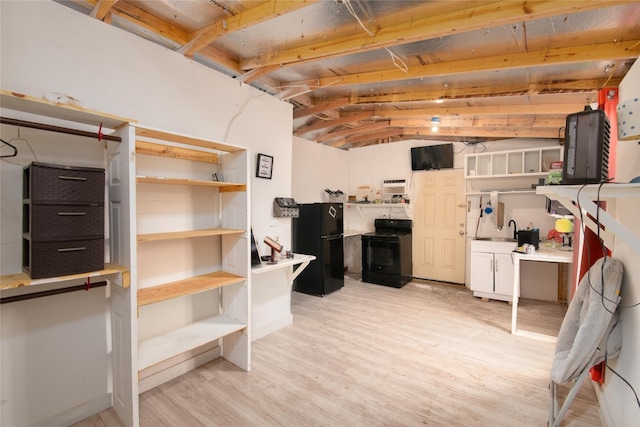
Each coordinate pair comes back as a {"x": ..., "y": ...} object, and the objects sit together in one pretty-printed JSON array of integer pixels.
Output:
[{"x": 439, "y": 226}]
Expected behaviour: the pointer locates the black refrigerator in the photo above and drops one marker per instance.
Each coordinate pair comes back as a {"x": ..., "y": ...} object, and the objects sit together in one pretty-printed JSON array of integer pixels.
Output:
[{"x": 318, "y": 231}]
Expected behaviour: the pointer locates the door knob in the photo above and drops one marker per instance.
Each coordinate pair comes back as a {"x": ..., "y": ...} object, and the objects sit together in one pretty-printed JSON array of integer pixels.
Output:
[{"x": 461, "y": 233}]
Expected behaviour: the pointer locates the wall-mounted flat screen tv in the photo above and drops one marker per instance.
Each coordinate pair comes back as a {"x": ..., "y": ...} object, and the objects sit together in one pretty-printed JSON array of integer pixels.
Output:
[{"x": 432, "y": 157}]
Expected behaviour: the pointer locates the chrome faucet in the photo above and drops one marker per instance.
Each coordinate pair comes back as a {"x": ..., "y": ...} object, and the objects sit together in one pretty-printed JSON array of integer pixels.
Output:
[{"x": 515, "y": 228}]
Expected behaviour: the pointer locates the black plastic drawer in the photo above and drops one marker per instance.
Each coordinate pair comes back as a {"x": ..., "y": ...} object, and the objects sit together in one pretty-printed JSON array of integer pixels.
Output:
[
  {"x": 47, "y": 183},
  {"x": 51, "y": 259},
  {"x": 69, "y": 222}
]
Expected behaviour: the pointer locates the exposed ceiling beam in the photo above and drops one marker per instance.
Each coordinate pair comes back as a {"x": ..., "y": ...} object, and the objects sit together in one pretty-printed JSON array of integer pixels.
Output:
[
  {"x": 518, "y": 89},
  {"x": 553, "y": 87},
  {"x": 323, "y": 124},
  {"x": 143, "y": 20},
  {"x": 377, "y": 135},
  {"x": 347, "y": 132},
  {"x": 102, "y": 8},
  {"x": 488, "y": 132},
  {"x": 484, "y": 121},
  {"x": 318, "y": 108},
  {"x": 425, "y": 23},
  {"x": 517, "y": 109},
  {"x": 256, "y": 73},
  {"x": 564, "y": 55},
  {"x": 485, "y": 110},
  {"x": 263, "y": 12},
  {"x": 360, "y": 141}
]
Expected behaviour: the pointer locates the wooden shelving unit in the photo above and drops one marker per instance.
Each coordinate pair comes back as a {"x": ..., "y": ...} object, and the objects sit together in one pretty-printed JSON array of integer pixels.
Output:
[{"x": 174, "y": 156}]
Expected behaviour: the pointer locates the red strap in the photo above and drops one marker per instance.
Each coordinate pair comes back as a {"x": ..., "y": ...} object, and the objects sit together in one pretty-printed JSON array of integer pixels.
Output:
[
  {"x": 100, "y": 132},
  {"x": 87, "y": 284}
]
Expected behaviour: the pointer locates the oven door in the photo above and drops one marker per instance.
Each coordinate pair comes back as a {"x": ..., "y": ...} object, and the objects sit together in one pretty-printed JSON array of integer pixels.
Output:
[{"x": 381, "y": 260}]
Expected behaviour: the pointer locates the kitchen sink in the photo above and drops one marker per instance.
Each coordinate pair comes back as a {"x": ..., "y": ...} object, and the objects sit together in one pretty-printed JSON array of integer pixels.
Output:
[{"x": 495, "y": 239}]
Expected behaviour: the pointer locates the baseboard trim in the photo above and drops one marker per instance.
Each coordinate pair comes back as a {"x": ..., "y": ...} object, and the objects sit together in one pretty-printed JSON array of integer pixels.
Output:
[{"x": 78, "y": 413}]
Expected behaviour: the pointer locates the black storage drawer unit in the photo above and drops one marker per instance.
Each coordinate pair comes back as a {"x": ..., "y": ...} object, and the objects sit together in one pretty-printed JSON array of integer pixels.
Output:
[
  {"x": 63, "y": 220},
  {"x": 50, "y": 259},
  {"x": 47, "y": 183}
]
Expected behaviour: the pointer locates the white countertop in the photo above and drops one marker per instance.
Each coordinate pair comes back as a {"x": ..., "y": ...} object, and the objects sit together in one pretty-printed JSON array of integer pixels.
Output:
[
  {"x": 546, "y": 254},
  {"x": 284, "y": 262}
]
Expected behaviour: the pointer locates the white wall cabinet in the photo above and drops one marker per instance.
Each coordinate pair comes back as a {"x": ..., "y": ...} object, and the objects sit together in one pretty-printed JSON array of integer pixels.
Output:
[
  {"x": 513, "y": 170},
  {"x": 191, "y": 239},
  {"x": 492, "y": 269}
]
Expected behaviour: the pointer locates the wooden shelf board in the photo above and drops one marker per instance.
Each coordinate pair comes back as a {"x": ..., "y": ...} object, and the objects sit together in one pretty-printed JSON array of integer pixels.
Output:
[
  {"x": 18, "y": 280},
  {"x": 184, "y": 287},
  {"x": 161, "y": 150},
  {"x": 42, "y": 107},
  {"x": 224, "y": 186},
  {"x": 170, "y": 235},
  {"x": 170, "y": 344},
  {"x": 184, "y": 139}
]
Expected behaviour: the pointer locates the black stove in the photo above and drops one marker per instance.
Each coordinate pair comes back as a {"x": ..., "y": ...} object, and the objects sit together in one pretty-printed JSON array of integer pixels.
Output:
[{"x": 387, "y": 253}]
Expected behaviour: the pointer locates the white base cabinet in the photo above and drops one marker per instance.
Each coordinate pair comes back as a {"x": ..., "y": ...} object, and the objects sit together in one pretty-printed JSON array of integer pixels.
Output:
[{"x": 492, "y": 269}]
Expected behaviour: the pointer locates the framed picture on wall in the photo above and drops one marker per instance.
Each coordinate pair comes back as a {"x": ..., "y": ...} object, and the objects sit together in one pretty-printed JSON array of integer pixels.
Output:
[{"x": 264, "y": 167}]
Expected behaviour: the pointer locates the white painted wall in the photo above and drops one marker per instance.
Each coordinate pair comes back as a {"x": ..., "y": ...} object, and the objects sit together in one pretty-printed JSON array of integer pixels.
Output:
[
  {"x": 46, "y": 48},
  {"x": 317, "y": 167},
  {"x": 618, "y": 395}
]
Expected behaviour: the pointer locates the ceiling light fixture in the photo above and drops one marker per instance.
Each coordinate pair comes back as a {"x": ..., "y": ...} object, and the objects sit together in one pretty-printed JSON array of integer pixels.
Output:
[{"x": 435, "y": 123}]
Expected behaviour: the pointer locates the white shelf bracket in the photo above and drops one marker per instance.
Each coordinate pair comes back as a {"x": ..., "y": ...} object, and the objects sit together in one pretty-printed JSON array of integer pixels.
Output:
[{"x": 584, "y": 197}]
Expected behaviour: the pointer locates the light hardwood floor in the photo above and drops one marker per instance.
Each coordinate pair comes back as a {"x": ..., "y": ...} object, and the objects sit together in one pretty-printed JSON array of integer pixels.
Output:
[{"x": 369, "y": 355}]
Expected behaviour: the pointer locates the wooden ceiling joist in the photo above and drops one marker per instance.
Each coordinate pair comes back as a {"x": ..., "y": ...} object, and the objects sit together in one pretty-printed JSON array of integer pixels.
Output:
[
  {"x": 366, "y": 138},
  {"x": 323, "y": 124},
  {"x": 347, "y": 132},
  {"x": 485, "y": 110},
  {"x": 424, "y": 24},
  {"x": 263, "y": 12},
  {"x": 538, "y": 88},
  {"x": 555, "y": 56},
  {"x": 487, "y": 132},
  {"x": 331, "y": 105},
  {"x": 102, "y": 8},
  {"x": 483, "y": 122}
]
